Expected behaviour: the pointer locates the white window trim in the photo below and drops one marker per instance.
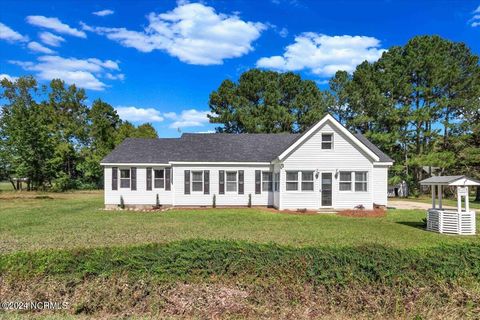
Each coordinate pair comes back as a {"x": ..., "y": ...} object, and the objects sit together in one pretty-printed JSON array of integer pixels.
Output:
[
  {"x": 271, "y": 181},
  {"x": 312, "y": 181},
  {"x": 226, "y": 182},
  {"x": 352, "y": 181},
  {"x": 331, "y": 133},
  {"x": 164, "y": 181},
  {"x": 120, "y": 178},
  {"x": 366, "y": 181},
  {"x": 299, "y": 187},
  {"x": 191, "y": 181}
]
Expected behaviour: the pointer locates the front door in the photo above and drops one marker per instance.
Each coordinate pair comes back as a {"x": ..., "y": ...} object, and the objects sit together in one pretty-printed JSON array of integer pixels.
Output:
[{"x": 326, "y": 189}]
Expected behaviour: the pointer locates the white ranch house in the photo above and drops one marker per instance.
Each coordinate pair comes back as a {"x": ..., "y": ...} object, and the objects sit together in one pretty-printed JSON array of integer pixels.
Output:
[{"x": 325, "y": 167}]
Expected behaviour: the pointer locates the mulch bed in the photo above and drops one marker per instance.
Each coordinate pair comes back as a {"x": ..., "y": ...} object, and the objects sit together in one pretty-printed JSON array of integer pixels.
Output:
[{"x": 375, "y": 213}]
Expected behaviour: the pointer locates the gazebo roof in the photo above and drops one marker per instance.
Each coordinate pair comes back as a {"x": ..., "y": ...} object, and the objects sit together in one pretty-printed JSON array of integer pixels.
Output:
[{"x": 450, "y": 181}]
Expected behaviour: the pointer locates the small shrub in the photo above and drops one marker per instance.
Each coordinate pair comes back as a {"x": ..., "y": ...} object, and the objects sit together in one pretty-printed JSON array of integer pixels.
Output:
[
  {"x": 63, "y": 183},
  {"x": 214, "y": 201},
  {"x": 249, "y": 200}
]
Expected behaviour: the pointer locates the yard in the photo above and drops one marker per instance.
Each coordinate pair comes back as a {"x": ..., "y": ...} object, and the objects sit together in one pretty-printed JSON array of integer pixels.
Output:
[
  {"x": 32, "y": 221},
  {"x": 230, "y": 263}
]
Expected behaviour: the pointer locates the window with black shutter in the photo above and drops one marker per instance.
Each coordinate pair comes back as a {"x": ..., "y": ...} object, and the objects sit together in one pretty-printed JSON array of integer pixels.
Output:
[
  {"x": 149, "y": 178},
  {"x": 258, "y": 181},
  {"x": 114, "y": 178},
  {"x": 168, "y": 179},
  {"x": 206, "y": 182},
  {"x": 221, "y": 182},
  {"x": 241, "y": 188},
  {"x": 134, "y": 179},
  {"x": 187, "y": 182}
]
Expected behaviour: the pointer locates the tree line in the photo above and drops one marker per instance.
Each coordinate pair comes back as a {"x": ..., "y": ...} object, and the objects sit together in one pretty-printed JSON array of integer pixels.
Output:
[
  {"x": 51, "y": 137},
  {"x": 420, "y": 103}
]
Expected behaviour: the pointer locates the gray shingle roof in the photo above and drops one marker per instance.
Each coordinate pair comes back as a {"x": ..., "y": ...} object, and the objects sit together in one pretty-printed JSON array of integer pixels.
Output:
[
  {"x": 218, "y": 147},
  {"x": 441, "y": 179}
]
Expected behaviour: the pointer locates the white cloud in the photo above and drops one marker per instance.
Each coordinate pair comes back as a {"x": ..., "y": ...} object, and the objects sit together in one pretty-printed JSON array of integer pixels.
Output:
[
  {"x": 118, "y": 76},
  {"x": 55, "y": 24},
  {"x": 192, "y": 32},
  {"x": 8, "y": 34},
  {"x": 50, "y": 39},
  {"x": 37, "y": 47},
  {"x": 283, "y": 32},
  {"x": 188, "y": 118},
  {"x": 8, "y": 77},
  {"x": 103, "y": 13},
  {"x": 477, "y": 10},
  {"x": 135, "y": 114},
  {"x": 323, "y": 55},
  {"x": 475, "y": 24},
  {"x": 81, "y": 72}
]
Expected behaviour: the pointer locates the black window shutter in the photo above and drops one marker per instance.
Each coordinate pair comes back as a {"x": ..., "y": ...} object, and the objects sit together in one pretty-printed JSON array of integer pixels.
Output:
[
  {"x": 168, "y": 174},
  {"x": 240, "y": 182},
  {"x": 221, "y": 182},
  {"x": 206, "y": 181},
  {"x": 133, "y": 174},
  {"x": 187, "y": 182},
  {"x": 258, "y": 183},
  {"x": 114, "y": 178},
  {"x": 149, "y": 178}
]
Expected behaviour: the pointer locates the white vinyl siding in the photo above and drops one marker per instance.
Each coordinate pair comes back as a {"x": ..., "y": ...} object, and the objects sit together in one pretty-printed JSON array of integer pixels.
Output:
[
  {"x": 380, "y": 185},
  {"x": 141, "y": 196},
  {"x": 309, "y": 156}
]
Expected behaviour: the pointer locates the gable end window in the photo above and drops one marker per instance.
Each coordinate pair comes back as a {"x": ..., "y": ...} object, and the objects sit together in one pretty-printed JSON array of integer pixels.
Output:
[
  {"x": 267, "y": 181},
  {"x": 197, "y": 181},
  {"x": 232, "y": 182},
  {"x": 327, "y": 141},
  {"x": 159, "y": 181},
  {"x": 124, "y": 178}
]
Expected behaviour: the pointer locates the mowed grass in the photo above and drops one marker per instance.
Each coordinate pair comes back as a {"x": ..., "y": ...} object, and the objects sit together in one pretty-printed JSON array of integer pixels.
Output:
[{"x": 33, "y": 221}]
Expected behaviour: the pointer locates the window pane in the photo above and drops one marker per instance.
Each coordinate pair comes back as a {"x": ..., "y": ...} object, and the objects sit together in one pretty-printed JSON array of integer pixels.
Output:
[
  {"x": 345, "y": 176},
  {"x": 292, "y": 186},
  {"x": 159, "y": 174},
  {"x": 360, "y": 186},
  {"x": 292, "y": 176},
  {"x": 125, "y": 173},
  {"x": 159, "y": 183},
  {"x": 326, "y": 145},
  {"x": 232, "y": 176},
  {"x": 307, "y": 186},
  {"x": 197, "y": 176},
  {"x": 267, "y": 185},
  {"x": 197, "y": 186},
  {"x": 345, "y": 186},
  {"x": 124, "y": 183},
  {"x": 307, "y": 175},
  {"x": 231, "y": 186},
  {"x": 326, "y": 137},
  {"x": 360, "y": 176}
]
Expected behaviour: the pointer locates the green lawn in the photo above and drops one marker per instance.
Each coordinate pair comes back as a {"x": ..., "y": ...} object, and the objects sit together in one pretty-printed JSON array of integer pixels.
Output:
[{"x": 75, "y": 220}]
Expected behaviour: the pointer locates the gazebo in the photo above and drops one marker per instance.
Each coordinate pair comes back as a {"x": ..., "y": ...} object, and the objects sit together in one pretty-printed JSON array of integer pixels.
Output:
[{"x": 460, "y": 221}]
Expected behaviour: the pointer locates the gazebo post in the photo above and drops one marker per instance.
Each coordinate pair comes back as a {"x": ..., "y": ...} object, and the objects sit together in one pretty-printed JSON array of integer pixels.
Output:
[
  {"x": 433, "y": 196},
  {"x": 440, "y": 196},
  {"x": 459, "y": 200},
  {"x": 467, "y": 204}
]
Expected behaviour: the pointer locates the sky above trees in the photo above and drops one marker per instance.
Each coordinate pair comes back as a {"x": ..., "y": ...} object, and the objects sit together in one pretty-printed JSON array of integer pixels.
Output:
[{"x": 159, "y": 61}]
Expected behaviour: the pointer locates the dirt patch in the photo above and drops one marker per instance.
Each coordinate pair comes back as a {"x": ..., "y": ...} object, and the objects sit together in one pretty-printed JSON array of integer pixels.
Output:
[
  {"x": 121, "y": 297},
  {"x": 375, "y": 213}
]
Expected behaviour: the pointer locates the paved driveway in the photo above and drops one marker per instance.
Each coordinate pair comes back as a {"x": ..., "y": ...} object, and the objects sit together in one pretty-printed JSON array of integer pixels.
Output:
[{"x": 405, "y": 204}]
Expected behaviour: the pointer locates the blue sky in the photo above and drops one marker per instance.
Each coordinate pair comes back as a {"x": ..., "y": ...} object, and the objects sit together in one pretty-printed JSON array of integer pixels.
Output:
[{"x": 158, "y": 61}]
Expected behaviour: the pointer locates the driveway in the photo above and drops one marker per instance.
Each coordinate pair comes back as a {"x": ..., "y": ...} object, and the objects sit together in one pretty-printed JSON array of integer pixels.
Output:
[{"x": 406, "y": 204}]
